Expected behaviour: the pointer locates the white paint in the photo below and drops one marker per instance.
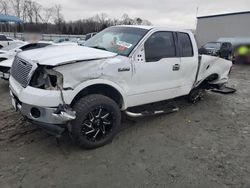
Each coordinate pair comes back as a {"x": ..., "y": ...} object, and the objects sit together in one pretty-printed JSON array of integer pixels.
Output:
[
  {"x": 62, "y": 54},
  {"x": 143, "y": 83}
]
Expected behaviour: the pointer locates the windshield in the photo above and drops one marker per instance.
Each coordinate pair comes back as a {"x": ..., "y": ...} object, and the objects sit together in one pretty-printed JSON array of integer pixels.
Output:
[
  {"x": 215, "y": 45},
  {"x": 13, "y": 46},
  {"x": 120, "y": 40}
]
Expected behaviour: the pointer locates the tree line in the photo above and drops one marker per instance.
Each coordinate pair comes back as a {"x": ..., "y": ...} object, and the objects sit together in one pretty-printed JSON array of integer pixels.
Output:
[{"x": 51, "y": 20}]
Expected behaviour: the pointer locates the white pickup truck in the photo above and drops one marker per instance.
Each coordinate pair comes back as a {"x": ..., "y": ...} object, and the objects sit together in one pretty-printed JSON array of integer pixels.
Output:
[{"x": 84, "y": 88}]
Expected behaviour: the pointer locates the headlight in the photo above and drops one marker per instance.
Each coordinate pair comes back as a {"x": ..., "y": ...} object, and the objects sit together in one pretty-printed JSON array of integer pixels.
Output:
[{"x": 47, "y": 78}]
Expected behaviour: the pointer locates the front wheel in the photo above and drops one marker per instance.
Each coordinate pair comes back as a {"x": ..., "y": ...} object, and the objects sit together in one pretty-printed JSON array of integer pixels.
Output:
[{"x": 98, "y": 120}]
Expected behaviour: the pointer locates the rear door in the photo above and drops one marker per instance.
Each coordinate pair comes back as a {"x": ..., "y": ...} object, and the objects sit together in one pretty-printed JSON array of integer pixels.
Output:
[{"x": 188, "y": 60}]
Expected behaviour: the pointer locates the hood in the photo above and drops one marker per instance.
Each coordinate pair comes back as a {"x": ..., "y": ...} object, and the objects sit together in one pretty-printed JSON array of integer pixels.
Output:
[{"x": 58, "y": 55}]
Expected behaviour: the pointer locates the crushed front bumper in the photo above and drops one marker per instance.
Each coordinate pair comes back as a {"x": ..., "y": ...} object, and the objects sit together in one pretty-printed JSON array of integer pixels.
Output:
[
  {"x": 51, "y": 118},
  {"x": 46, "y": 118},
  {"x": 36, "y": 113}
]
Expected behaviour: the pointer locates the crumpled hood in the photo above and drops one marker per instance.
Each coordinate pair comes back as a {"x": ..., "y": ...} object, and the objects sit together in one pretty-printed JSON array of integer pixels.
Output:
[{"x": 58, "y": 55}]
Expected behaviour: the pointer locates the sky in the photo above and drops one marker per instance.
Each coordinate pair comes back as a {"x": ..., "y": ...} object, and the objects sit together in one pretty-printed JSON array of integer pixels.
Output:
[{"x": 167, "y": 13}]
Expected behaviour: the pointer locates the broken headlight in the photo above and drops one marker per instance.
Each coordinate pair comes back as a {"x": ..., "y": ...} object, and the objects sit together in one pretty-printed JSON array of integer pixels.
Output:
[{"x": 47, "y": 78}]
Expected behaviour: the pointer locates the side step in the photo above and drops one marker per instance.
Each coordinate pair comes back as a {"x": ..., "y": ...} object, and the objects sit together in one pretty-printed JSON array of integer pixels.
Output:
[
  {"x": 224, "y": 90},
  {"x": 152, "y": 112}
]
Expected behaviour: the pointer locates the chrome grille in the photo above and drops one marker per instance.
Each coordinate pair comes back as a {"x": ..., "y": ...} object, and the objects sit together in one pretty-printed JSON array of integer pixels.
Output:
[{"x": 20, "y": 71}]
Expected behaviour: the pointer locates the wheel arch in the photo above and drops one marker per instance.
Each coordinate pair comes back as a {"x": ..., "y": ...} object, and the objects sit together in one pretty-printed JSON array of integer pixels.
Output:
[
  {"x": 107, "y": 89},
  {"x": 212, "y": 77}
]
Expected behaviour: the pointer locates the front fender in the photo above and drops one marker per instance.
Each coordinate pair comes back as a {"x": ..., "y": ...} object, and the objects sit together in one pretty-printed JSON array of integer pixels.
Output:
[{"x": 88, "y": 83}]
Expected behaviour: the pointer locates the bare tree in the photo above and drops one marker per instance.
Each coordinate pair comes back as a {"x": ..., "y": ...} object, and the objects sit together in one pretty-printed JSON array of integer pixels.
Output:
[
  {"x": 37, "y": 9},
  {"x": 16, "y": 5},
  {"x": 138, "y": 21},
  {"x": 58, "y": 17},
  {"x": 29, "y": 10},
  {"x": 4, "y": 6},
  {"x": 48, "y": 14}
]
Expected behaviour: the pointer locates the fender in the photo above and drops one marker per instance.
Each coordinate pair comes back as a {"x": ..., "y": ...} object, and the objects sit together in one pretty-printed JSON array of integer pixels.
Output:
[
  {"x": 88, "y": 83},
  {"x": 211, "y": 66}
]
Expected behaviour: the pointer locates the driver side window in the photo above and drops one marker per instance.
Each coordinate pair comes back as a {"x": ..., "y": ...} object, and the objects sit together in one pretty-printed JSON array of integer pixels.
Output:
[{"x": 160, "y": 45}]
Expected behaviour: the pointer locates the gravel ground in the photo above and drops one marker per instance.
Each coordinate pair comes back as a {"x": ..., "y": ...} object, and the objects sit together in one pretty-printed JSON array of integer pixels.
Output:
[{"x": 203, "y": 145}]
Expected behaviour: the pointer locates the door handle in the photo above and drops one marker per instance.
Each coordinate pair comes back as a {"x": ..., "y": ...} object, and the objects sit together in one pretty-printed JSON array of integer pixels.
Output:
[{"x": 176, "y": 67}]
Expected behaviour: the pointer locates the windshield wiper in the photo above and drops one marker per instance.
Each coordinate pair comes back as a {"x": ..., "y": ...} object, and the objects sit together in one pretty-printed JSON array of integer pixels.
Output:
[{"x": 98, "y": 47}]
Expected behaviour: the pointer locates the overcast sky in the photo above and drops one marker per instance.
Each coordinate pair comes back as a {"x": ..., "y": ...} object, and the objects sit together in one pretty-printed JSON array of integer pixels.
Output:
[{"x": 171, "y": 13}]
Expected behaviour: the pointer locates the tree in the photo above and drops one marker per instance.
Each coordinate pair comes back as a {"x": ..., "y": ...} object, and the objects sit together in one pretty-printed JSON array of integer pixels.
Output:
[
  {"x": 48, "y": 14},
  {"x": 4, "y": 6},
  {"x": 36, "y": 9},
  {"x": 138, "y": 21},
  {"x": 16, "y": 4},
  {"x": 58, "y": 17}
]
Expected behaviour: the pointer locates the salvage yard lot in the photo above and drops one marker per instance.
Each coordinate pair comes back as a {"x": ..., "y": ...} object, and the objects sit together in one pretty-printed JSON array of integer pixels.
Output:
[{"x": 202, "y": 145}]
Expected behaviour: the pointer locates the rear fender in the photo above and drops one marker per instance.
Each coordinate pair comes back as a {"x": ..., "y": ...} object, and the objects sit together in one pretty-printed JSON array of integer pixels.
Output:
[{"x": 213, "y": 67}]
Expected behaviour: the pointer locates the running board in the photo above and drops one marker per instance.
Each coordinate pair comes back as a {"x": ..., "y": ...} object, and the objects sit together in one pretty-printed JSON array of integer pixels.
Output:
[
  {"x": 224, "y": 90},
  {"x": 151, "y": 113}
]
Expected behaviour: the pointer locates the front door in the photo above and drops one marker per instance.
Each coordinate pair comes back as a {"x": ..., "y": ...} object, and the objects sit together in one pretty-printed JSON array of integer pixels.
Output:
[{"x": 158, "y": 77}]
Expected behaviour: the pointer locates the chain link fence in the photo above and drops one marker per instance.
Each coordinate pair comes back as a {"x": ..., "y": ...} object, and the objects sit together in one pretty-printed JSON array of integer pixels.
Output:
[{"x": 43, "y": 37}]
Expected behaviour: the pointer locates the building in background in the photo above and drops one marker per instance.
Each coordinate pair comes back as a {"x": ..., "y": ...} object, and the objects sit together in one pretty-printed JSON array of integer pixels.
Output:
[{"x": 212, "y": 28}]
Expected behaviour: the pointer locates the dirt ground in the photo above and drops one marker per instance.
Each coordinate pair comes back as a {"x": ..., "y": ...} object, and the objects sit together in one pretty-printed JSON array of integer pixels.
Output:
[{"x": 206, "y": 145}]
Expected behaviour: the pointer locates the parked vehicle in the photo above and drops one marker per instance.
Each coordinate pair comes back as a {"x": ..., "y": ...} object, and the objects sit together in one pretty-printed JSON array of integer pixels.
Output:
[
  {"x": 5, "y": 41},
  {"x": 90, "y": 35},
  {"x": 220, "y": 49},
  {"x": 8, "y": 53},
  {"x": 84, "y": 88},
  {"x": 82, "y": 41},
  {"x": 66, "y": 40}
]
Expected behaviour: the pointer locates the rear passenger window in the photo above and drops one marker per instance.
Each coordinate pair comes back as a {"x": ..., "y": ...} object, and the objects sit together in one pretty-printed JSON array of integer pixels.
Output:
[
  {"x": 185, "y": 45},
  {"x": 160, "y": 45}
]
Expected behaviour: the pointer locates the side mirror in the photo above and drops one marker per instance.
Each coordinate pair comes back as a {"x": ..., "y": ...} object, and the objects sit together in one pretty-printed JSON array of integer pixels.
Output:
[{"x": 18, "y": 50}]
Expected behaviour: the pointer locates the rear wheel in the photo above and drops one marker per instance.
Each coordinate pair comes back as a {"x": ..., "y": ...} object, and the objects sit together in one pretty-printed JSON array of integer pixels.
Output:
[
  {"x": 98, "y": 120},
  {"x": 195, "y": 95}
]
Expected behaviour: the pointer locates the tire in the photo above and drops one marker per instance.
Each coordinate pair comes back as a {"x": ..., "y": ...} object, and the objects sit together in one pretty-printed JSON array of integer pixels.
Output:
[
  {"x": 195, "y": 95},
  {"x": 98, "y": 120}
]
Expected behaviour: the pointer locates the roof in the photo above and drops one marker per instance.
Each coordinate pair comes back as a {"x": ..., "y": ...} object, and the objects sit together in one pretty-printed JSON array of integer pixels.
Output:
[
  {"x": 137, "y": 26},
  {"x": 10, "y": 18},
  {"x": 227, "y": 14},
  {"x": 156, "y": 28}
]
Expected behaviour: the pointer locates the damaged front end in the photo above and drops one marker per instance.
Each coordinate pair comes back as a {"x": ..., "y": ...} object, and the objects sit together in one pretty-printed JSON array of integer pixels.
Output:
[
  {"x": 48, "y": 79},
  {"x": 45, "y": 85}
]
